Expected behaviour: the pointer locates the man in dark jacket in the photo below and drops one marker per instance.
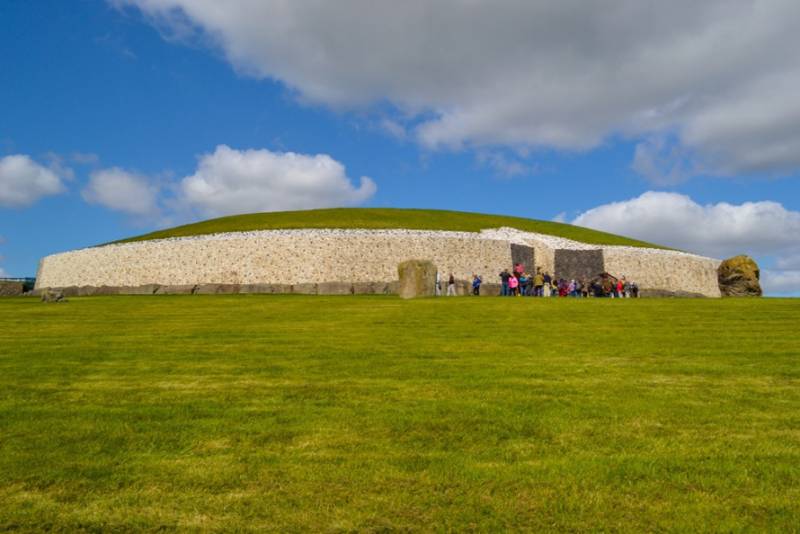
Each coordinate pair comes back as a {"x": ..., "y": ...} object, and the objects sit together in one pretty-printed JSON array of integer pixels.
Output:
[{"x": 504, "y": 277}]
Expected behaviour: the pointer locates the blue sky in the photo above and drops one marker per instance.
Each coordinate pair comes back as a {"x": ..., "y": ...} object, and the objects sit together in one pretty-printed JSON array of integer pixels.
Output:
[{"x": 117, "y": 109}]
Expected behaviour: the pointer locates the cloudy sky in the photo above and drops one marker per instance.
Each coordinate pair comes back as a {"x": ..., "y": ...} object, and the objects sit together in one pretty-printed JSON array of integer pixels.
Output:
[{"x": 675, "y": 122}]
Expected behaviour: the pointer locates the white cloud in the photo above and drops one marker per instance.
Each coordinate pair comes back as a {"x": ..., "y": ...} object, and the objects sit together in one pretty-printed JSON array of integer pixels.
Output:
[
  {"x": 715, "y": 74},
  {"x": 790, "y": 262},
  {"x": 780, "y": 282},
  {"x": 123, "y": 191},
  {"x": 505, "y": 166},
  {"x": 715, "y": 229},
  {"x": 23, "y": 181},
  {"x": 662, "y": 161},
  {"x": 763, "y": 229},
  {"x": 393, "y": 128},
  {"x": 230, "y": 181}
]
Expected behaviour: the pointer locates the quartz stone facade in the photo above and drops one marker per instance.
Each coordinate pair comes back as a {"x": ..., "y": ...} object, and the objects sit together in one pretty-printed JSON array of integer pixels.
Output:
[{"x": 362, "y": 261}]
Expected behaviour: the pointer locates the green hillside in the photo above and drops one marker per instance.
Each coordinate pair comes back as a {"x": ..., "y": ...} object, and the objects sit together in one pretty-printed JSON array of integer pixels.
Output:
[{"x": 383, "y": 218}]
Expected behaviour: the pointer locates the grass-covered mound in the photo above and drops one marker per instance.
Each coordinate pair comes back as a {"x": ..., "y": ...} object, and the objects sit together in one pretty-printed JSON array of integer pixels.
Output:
[
  {"x": 309, "y": 414},
  {"x": 383, "y": 218}
]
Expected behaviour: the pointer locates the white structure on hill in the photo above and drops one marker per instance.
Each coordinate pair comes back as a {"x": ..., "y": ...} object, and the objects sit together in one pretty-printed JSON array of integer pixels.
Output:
[{"x": 360, "y": 261}]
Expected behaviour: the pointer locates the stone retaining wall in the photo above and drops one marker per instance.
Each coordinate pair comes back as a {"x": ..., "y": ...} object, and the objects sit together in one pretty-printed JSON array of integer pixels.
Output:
[
  {"x": 275, "y": 257},
  {"x": 364, "y": 261},
  {"x": 677, "y": 274},
  {"x": 657, "y": 272}
]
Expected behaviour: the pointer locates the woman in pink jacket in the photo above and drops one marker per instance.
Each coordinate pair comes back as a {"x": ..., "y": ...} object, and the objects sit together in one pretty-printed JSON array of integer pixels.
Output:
[{"x": 513, "y": 285}]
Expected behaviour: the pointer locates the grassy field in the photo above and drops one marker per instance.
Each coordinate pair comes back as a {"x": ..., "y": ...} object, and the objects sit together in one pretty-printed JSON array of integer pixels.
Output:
[
  {"x": 381, "y": 218},
  {"x": 292, "y": 413}
]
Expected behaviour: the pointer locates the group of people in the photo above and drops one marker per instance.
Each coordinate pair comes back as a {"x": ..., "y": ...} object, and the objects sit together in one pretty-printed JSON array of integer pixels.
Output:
[{"x": 518, "y": 282}]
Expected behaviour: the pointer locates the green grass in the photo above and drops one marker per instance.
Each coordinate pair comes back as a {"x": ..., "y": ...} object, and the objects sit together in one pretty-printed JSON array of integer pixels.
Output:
[
  {"x": 292, "y": 413},
  {"x": 381, "y": 218}
]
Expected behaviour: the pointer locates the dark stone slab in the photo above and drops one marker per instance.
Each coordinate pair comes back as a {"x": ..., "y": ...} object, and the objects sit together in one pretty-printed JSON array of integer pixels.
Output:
[
  {"x": 490, "y": 289},
  {"x": 146, "y": 289},
  {"x": 522, "y": 254},
  {"x": 217, "y": 289},
  {"x": 334, "y": 288},
  {"x": 176, "y": 290},
  {"x": 304, "y": 289},
  {"x": 578, "y": 264},
  {"x": 367, "y": 288}
]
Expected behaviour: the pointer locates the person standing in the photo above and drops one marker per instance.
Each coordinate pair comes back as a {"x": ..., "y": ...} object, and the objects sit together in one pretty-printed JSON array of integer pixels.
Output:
[
  {"x": 438, "y": 287},
  {"x": 504, "y": 277},
  {"x": 476, "y": 285},
  {"x": 538, "y": 284},
  {"x": 524, "y": 279},
  {"x": 451, "y": 286},
  {"x": 513, "y": 286}
]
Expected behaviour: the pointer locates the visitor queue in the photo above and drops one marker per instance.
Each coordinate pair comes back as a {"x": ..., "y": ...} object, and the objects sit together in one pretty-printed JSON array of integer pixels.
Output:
[{"x": 518, "y": 282}]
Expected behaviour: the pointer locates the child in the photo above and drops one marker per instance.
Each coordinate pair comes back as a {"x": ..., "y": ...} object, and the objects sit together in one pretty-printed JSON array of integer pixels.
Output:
[{"x": 476, "y": 285}]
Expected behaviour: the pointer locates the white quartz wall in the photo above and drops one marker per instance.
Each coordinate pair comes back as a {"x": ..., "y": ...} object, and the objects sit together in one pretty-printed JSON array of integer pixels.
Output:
[
  {"x": 275, "y": 257},
  {"x": 316, "y": 256},
  {"x": 664, "y": 270},
  {"x": 651, "y": 268}
]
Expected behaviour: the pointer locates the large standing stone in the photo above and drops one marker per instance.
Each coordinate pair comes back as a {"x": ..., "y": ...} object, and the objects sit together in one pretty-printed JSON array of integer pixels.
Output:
[
  {"x": 522, "y": 254},
  {"x": 417, "y": 279},
  {"x": 578, "y": 264},
  {"x": 738, "y": 277}
]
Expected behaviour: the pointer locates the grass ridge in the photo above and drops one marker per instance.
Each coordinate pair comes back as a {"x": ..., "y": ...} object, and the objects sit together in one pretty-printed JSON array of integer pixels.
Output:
[{"x": 386, "y": 218}]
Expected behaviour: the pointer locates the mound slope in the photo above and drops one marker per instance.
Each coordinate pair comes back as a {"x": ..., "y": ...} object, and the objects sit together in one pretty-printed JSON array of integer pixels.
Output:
[{"x": 387, "y": 218}]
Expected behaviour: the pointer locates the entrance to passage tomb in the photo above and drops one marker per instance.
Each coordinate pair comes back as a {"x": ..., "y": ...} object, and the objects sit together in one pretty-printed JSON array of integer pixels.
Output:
[
  {"x": 578, "y": 264},
  {"x": 522, "y": 254}
]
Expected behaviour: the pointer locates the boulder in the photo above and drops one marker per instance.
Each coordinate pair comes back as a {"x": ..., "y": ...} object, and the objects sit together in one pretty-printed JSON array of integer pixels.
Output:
[
  {"x": 417, "y": 279},
  {"x": 11, "y": 289},
  {"x": 53, "y": 295},
  {"x": 739, "y": 277}
]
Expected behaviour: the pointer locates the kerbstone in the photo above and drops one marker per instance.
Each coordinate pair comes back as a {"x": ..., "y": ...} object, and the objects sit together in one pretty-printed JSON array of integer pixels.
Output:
[
  {"x": 182, "y": 289},
  {"x": 417, "y": 279},
  {"x": 335, "y": 288}
]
